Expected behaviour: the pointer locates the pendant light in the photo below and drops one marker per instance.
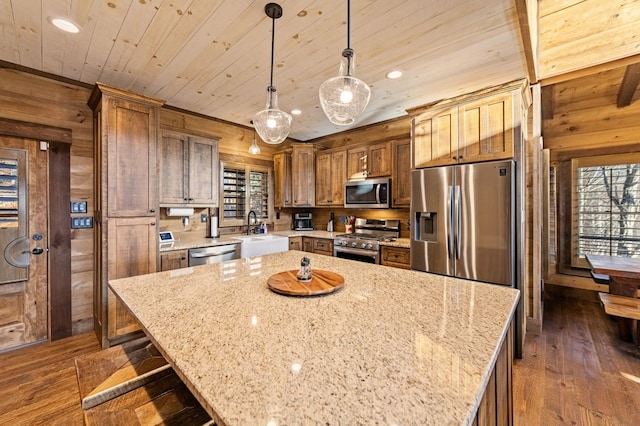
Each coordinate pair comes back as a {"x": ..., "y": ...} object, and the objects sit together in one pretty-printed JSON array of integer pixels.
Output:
[
  {"x": 343, "y": 98},
  {"x": 272, "y": 124},
  {"x": 254, "y": 149}
]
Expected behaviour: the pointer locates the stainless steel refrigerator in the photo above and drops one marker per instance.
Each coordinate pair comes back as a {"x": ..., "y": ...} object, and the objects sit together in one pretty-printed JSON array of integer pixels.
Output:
[{"x": 463, "y": 221}]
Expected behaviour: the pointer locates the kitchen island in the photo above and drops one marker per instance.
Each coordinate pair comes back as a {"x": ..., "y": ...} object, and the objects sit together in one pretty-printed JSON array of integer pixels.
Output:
[{"x": 390, "y": 347}]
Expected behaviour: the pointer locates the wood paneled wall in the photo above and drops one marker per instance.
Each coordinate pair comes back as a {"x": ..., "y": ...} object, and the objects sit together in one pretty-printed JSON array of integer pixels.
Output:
[
  {"x": 585, "y": 121},
  {"x": 29, "y": 98}
]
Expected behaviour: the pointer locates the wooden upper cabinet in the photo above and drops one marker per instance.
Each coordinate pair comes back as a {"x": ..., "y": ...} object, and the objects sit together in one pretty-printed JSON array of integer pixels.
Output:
[
  {"x": 379, "y": 162},
  {"x": 126, "y": 152},
  {"x": 369, "y": 160},
  {"x": 401, "y": 179},
  {"x": 188, "y": 168},
  {"x": 331, "y": 173},
  {"x": 303, "y": 175},
  {"x": 282, "y": 177},
  {"x": 435, "y": 138},
  {"x": 478, "y": 130},
  {"x": 131, "y": 152},
  {"x": 486, "y": 129}
]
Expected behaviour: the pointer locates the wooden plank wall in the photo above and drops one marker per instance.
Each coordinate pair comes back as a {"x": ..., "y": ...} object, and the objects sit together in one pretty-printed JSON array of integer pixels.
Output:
[
  {"x": 586, "y": 121},
  {"x": 35, "y": 99}
]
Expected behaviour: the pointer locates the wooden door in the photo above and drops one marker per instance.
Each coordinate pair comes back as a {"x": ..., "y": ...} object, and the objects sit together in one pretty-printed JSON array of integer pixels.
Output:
[
  {"x": 357, "y": 161},
  {"x": 23, "y": 242},
  {"x": 131, "y": 159},
  {"x": 435, "y": 138},
  {"x": 379, "y": 160},
  {"x": 173, "y": 176},
  {"x": 401, "y": 181},
  {"x": 203, "y": 172},
  {"x": 303, "y": 176},
  {"x": 282, "y": 177},
  {"x": 133, "y": 249},
  {"x": 338, "y": 175},
  {"x": 486, "y": 129},
  {"x": 323, "y": 179}
]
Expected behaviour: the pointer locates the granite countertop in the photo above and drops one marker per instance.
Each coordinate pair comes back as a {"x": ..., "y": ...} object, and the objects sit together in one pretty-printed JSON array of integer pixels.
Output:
[
  {"x": 188, "y": 241},
  {"x": 392, "y": 346}
]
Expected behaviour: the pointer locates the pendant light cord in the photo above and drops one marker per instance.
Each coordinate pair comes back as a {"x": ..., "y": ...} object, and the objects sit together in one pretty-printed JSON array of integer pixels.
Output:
[
  {"x": 348, "y": 24},
  {"x": 273, "y": 37},
  {"x": 348, "y": 52}
]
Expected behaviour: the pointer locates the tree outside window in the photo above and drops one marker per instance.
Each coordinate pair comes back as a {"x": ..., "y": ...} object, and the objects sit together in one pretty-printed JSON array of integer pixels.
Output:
[{"x": 606, "y": 207}]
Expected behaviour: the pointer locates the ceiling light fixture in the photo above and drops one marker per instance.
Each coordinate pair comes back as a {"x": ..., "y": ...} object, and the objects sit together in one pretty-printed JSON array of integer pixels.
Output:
[
  {"x": 343, "y": 98},
  {"x": 392, "y": 75},
  {"x": 254, "y": 149},
  {"x": 64, "y": 24},
  {"x": 272, "y": 124}
]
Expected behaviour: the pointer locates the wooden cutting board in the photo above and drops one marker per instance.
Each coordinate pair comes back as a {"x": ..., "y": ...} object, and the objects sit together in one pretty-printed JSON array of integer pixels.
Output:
[{"x": 322, "y": 282}]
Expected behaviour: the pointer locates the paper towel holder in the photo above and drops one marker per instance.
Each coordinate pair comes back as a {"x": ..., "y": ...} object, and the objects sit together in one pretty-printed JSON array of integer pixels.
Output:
[{"x": 213, "y": 226}]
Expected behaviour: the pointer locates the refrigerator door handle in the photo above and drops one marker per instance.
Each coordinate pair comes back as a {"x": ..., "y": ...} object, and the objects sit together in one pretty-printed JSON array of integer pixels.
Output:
[
  {"x": 450, "y": 236},
  {"x": 458, "y": 233}
]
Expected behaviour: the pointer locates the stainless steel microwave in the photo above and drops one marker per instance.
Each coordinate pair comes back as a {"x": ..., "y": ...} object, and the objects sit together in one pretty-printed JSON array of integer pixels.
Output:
[{"x": 368, "y": 193}]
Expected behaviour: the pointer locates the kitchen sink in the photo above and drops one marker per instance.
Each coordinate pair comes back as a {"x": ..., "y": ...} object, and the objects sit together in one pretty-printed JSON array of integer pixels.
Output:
[{"x": 258, "y": 245}]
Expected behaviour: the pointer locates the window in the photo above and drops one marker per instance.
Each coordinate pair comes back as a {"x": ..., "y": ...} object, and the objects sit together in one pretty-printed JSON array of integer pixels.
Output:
[
  {"x": 245, "y": 188},
  {"x": 605, "y": 207}
]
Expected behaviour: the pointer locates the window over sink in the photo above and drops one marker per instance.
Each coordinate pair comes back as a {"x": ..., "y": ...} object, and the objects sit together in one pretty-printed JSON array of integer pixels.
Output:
[{"x": 245, "y": 188}]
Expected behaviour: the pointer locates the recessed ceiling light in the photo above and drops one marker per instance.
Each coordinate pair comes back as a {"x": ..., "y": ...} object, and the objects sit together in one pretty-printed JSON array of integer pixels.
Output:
[
  {"x": 64, "y": 24},
  {"x": 394, "y": 74},
  {"x": 296, "y": 111}
]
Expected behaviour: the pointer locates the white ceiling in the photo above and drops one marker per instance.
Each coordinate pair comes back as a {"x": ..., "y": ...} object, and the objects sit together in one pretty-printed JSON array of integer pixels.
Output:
[{"x": 213, "y": 56}]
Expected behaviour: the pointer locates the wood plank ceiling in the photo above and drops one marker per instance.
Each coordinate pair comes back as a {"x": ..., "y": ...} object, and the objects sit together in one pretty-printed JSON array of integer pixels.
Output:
[{"x": 212, "y": 56}]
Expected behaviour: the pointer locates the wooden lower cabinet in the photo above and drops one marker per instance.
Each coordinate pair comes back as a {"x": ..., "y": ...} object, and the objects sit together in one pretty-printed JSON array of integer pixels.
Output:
[
  {"x": 132, "y": 247},
  {"x": 312, "y": 245},
  {"x": 496, "y": 406},
  {"x": 323, "y": 246},
  {"x": 175, "y": 259},
  {"x": 399, "y": 257},
  {"x": 295, "y": 243}
]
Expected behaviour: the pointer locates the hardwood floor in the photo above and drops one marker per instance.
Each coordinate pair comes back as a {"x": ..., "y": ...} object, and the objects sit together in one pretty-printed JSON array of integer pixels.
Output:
[
  {"x": 38, "y": 384},
  {"x": 576, "y": 372}
]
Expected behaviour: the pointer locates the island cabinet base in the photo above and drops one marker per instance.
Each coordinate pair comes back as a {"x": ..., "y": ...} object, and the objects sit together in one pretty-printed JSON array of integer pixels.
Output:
[{"x": 496, "y": 407}]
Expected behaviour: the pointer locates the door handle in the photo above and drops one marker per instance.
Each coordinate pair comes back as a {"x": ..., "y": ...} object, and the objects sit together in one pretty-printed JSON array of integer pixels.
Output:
[{"x": 37, "y": 250}]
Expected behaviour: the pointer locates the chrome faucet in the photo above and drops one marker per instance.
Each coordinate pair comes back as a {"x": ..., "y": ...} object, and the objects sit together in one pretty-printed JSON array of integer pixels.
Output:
[{"x": 255, "y": 219}]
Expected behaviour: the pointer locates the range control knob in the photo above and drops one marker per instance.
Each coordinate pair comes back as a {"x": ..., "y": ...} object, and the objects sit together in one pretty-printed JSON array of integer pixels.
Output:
[
  {"x": 369, "y": 246},
  {"x": 364, "y": 245},
  {"x": 354, "y": 244}
]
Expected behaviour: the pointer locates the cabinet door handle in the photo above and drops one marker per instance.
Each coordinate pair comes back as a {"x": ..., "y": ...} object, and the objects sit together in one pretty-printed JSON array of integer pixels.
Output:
[
  {"x": 152, "y": 211},
  {"x": 152, "y": 224}
]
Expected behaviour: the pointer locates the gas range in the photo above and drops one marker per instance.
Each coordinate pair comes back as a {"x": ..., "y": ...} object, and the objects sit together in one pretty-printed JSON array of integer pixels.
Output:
[{"x": 368, "y": 234}]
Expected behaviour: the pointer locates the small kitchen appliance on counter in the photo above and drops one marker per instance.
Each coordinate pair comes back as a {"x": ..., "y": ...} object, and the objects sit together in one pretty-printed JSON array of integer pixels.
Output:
[
  {"x": 303, "y": 222},
  {"x": 364, "y": 243}
]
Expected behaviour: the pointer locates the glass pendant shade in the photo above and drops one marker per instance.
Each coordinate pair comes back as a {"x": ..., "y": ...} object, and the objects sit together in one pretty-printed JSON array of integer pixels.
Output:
[
  {"x": 345, "y": 97},
  {"x": 254, "y": 149},
  {"x": 272, "y": 124}
]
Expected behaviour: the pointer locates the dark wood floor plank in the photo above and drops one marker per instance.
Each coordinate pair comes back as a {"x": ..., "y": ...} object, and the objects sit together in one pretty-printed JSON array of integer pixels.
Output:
[{"x": 589, "y": 376}]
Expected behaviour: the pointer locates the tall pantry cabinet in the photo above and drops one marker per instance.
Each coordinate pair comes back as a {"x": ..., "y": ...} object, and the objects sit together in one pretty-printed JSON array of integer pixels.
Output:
[{"x": 126, "y": 212}]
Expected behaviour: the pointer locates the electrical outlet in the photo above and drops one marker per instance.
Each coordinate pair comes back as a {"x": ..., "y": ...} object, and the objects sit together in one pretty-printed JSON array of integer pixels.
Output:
[{"x": 203, "y": 217}]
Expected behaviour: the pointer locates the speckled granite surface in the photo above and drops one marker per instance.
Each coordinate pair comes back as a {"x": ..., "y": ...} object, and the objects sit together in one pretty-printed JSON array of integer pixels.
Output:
[{"x": 391, "y": 347}]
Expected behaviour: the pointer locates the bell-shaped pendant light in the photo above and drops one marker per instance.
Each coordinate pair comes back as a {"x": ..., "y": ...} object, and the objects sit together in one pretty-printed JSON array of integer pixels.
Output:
[
  {"x": 272, "y": 124},
  {"x": 254, "y": 149},
  {"x": 343, "y": 98}
]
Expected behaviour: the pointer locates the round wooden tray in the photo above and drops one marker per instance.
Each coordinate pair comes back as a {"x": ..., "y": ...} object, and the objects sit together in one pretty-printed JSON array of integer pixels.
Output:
[{"x": 322, "y": 282}]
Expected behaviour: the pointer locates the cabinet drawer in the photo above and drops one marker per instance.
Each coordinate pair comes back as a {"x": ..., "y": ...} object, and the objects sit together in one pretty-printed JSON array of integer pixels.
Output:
[
  {"x": 396, "y": 256},
  {"x": 322, "y": 245}
]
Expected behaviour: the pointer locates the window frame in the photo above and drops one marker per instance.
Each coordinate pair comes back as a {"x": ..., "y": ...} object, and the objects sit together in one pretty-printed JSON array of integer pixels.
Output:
[
  {"x": 592, "y": 161},
  {"x": 248, "y": 168}
]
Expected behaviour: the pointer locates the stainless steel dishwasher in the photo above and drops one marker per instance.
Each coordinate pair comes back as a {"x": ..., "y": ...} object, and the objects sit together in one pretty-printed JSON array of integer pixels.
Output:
[{"x": 213, "y": 254}]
